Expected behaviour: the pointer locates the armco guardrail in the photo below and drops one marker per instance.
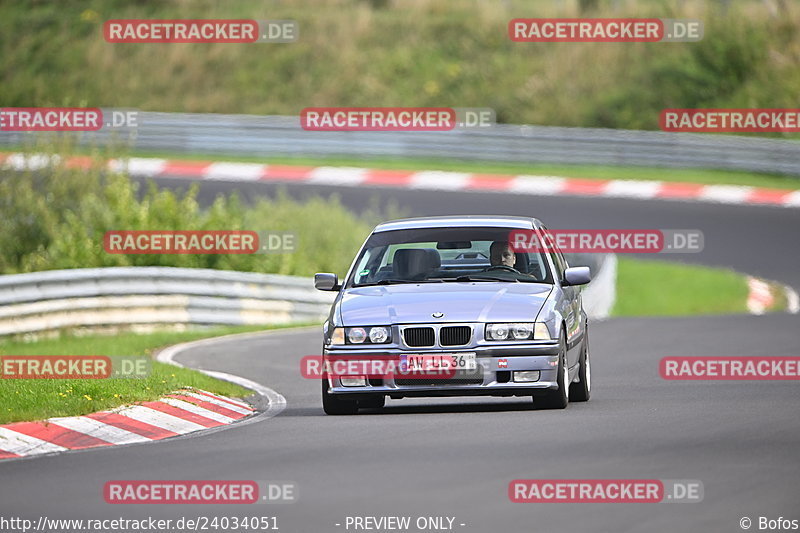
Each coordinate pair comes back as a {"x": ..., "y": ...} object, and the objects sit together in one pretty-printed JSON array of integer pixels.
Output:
[
  {"x": 126, "y": 296},
  {"x": 600, "y": 295},
  {"x": 265, "y": 136},
  {"x": 148, "y": 296}
]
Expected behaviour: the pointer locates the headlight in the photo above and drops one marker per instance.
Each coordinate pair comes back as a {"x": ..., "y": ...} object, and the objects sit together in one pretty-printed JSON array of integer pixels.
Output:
[
  {"x": 496, "y": 332},
  {"x": 378, "y": 335},
  {"x": 521, "y": 332},
  {"x": 517, "y": 331},
  {"x": 356, "y": 335},
  {"x": 361, "y": 335}
]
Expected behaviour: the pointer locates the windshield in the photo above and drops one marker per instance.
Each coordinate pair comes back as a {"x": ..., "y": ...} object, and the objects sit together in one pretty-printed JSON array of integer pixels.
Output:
[{"x": 440, "y": 255}]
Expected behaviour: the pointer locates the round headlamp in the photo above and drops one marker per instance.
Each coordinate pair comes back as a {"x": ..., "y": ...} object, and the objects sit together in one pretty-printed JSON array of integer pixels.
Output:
[
  {"x": 356, "y": 335},
  {"x": 522, "y": 331},
  {"x": 378, "y": 334}
]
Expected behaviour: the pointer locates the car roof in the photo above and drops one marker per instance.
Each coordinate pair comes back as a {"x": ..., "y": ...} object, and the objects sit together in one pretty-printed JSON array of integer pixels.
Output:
[{"x": 459, "y": 221}]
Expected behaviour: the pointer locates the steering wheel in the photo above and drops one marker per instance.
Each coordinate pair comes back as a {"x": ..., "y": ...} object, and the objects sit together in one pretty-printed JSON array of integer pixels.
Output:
[{"x": 503, "y": 267}]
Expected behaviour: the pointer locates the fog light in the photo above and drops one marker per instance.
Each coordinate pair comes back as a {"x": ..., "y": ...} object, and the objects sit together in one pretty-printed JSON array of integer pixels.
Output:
[
  {"x": 526, "y": 376},
  {"x": 356, "y": 381}
]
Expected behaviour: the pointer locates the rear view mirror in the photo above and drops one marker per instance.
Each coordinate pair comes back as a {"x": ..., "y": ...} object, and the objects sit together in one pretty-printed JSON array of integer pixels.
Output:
[
  {"x": 326, "y": 281},
  {"x": 453, "y": 245},
  {"x": 577, "y": 276}
]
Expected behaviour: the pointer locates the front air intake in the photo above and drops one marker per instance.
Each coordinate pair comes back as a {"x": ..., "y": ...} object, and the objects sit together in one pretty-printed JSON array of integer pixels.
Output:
[
  {"x": 455, "y": 335},
  {"x": 419, "y": 337}
]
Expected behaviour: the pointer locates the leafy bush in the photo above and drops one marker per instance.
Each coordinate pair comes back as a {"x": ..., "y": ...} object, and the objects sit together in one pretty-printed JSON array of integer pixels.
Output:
[{"x": 55, "y": 218}]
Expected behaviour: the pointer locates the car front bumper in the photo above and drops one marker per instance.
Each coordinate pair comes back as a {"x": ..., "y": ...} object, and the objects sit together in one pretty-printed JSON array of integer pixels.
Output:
[{"x": 494, "y": 375}]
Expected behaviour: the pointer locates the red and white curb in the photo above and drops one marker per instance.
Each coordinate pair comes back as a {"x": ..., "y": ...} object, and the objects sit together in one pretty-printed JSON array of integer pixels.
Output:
[
  {"x": 182, "y": 412},
  {"x": 424, "y": 180},
  {"x": 761, "y": 297}
]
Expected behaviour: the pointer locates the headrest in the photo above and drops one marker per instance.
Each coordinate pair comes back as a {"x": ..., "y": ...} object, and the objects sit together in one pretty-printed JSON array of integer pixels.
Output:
[{"x": 410, "y": 263}]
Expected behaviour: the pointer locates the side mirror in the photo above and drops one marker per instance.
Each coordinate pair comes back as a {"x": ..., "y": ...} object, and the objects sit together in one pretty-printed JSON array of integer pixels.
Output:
[
  {"x": 326, "y": 282},
  {"x": 577, "y": 276}
]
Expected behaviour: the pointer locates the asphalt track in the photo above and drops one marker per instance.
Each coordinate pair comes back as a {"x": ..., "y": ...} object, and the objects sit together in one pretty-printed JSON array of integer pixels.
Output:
[{"x": 455, "y": 457}]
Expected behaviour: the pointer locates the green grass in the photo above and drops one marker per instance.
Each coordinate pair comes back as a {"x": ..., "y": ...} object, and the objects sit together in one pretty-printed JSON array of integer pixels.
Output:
[
  {"x": 660, "y": 288},
  {"x": 37, "y": 399}
]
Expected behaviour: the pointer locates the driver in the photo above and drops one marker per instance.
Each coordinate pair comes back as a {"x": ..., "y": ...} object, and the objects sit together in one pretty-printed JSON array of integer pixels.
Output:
[{"x": 501, "y": 254}]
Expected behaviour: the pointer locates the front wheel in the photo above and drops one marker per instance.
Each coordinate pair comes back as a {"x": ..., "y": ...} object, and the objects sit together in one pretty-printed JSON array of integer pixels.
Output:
[
  {"x": 582, "y": 390},
  {"x": 558, "y": 398},
  {"x": 336, "y": 406}
]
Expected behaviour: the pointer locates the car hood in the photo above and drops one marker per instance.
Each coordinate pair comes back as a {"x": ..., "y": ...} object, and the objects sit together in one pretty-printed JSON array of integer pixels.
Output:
[{"x": 460, "y": 302}]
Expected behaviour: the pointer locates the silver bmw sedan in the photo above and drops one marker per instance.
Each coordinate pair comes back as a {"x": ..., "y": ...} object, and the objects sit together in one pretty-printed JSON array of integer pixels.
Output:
[{"x": 453, "y": 306}]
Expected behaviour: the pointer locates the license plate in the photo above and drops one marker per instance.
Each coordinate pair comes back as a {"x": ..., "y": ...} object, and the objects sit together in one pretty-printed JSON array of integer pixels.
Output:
[{"x": 439, "y": 361}]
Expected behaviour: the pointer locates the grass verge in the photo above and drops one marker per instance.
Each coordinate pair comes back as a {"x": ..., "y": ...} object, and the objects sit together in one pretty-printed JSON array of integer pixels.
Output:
[
  {"x": 37, "y": 399},
  {"x": 660, "y": 288}
]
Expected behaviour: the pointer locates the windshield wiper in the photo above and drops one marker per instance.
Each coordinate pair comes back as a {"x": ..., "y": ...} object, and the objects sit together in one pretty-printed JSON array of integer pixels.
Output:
[
  {"x": 479, "y": 277},
  {"x": 471, "y": 277},
  {"x": 483, "y": 278},
  {"x": 397, "y": 282}
]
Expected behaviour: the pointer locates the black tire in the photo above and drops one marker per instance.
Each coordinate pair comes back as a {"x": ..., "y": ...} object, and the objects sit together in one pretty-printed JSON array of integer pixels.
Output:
[
  {"x": 377, "y": 401},
  {"x": 336, "y": 406},
  {"x": 582, "y": 390},
  {"x": 559, "y": 398}
]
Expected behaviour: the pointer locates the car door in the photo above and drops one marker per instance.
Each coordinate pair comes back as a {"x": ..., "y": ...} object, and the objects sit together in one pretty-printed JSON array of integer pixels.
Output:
[{"x": 571, "y": 310}]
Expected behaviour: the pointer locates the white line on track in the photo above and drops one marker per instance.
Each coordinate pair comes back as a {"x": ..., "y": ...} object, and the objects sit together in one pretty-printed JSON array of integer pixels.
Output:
[{"x": 276, "y": 401}]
